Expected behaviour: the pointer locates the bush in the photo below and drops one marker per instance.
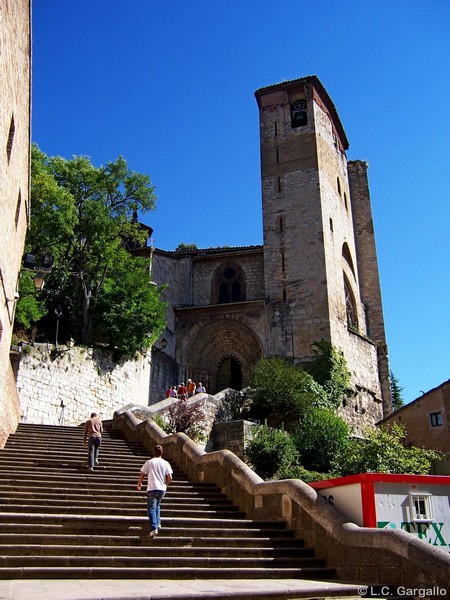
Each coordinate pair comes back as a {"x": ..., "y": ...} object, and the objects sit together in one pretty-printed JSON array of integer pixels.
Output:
[
  {"x": 186, "y": 417},
  {"x": 281, "y": 391},
  {"x": 271, "y": 450},
  {"x": 299, "y": 472},
  {"x": 383, "y": 451},
  {"x": 318, "y": 437}
]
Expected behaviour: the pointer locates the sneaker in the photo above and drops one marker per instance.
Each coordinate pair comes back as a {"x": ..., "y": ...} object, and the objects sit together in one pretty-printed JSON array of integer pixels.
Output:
[
  {"x": 91, "y": 468},
  {"x": 153, "y": 533},
  {"x": 159, "y": 525},
  {"x": 97, "y": 463}
]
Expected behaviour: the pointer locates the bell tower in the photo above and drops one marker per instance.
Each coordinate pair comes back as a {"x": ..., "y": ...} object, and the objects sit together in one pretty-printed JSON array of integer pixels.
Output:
[{"x": 316, "y": 286}]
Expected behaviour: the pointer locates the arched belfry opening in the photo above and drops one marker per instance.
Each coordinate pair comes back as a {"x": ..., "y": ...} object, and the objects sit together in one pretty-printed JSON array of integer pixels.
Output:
[{"x": 229, "y": 374}]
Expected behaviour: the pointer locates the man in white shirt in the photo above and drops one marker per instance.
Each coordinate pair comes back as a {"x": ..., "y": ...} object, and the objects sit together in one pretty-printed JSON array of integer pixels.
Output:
[{"x": 159, "y": 475}]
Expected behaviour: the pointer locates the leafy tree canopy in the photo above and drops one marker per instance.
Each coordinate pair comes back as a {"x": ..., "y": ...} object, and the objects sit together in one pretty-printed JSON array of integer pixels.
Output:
[
  {"x": 82, "y": 215},
  {"x": 271, "y": 450},
  {"x": 383, "y": 451},
  {"x": 281, "y": 391},
  {"x": 186, "y": 247},
  {"x": 320, "y": 435}
]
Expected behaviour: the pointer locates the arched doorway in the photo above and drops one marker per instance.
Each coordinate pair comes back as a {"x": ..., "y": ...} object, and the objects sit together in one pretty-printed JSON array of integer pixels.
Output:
[{"x": 229, "y": 374}]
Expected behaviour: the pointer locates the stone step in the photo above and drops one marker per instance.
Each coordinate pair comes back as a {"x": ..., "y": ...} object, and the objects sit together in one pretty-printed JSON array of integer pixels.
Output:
[
  {"x": 139, "y": 539},
  {"x": 130, "y": 501},
  {"x": 151, "y": 562},
  {"x": 94, "y": 480},
  {"x": 170, "y": 529},
  {"x": 92, "y": 508},
  {"x": 106, "y": 520},
  {"x": 170, "y": 573}
]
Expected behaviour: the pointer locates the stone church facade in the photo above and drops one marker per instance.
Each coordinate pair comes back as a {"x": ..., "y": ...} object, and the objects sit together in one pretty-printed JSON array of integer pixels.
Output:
[{"x": 315, "y": 276}]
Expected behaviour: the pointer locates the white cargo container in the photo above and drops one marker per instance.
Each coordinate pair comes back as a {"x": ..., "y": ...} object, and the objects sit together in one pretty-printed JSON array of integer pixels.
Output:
[{"x": 418, "y": 504}]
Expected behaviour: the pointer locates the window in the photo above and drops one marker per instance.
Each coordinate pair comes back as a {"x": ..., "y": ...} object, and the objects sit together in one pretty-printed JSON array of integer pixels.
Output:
[
  {"x": 18, "y": 205},
  {"x": 299, "y": 116},
  {"x": 338, "y": 186},
  {"x": 348, "y": 258},
  {"x": 421, "y": 508},
  {"x": 350, "y": 305},
  {"x": 436, "y": 419},
  {"x": 228, "y": 284},
  {"x": 9, "y": 143}
]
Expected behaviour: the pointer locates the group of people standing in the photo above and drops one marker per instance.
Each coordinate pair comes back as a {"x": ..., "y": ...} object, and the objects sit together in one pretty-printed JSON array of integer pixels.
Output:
[
  {"x": 157, "y": 470},
  {"x": 185, "y": 391}
]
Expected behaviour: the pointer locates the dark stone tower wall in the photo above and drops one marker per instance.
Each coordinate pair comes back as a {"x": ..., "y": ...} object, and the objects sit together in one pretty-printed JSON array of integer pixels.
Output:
[{"x": 368, "y": 270}]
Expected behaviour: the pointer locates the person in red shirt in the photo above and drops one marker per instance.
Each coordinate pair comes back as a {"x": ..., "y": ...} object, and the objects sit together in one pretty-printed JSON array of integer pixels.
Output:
[{"x": 182, "y": 392}]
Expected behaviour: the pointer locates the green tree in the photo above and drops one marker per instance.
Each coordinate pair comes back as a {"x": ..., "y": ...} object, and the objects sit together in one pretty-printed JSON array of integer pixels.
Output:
[
  {"x": 30, "y": 307},
  {"x": 271, "y": 450},
  {"x": 82, "y": 215},
  {"x": 329, "y": 368},
  {"x": 383, "y": 451},
  {"x": 127, "y": 297},
  {"x": 281, "y": 392},
  {"x": 396, "y": 393},
  {"x": 186, "y": 247},
  {"x": 320, "y": 435}
]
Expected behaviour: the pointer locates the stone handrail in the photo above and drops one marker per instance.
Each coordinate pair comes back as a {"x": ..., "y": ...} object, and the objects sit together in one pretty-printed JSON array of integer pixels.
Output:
[{"x": 359, "y": 554}]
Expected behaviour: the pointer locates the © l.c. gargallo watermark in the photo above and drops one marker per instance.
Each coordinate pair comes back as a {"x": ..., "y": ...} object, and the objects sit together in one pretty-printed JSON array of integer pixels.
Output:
[{"x": 385, "y": 591}]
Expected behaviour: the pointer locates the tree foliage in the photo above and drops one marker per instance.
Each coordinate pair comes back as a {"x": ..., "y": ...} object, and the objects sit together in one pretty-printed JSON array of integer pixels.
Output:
[
  {"x": 320, "y": 435},
  {"x": 82, "y": 215},
  {"x": 281, "y": 391},
  {"x": 271, "y": 450},
  {"x": 383, "y": 451},
  {"x": 30, "y": 308},
  {"x": 186, "y": 247},
  {"x": 396, "y": 392}
]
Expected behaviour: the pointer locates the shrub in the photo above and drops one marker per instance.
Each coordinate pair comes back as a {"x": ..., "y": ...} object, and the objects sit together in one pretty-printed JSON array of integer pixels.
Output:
[
  {"x": 318, "y": 437},
  {"x": 186, "y": 417},
  {"x": 281, "y": 391},
  {"x": 270, "y": 450},
  {"x": 383, "y": 451},
  {"x": 299, "y": 472}
]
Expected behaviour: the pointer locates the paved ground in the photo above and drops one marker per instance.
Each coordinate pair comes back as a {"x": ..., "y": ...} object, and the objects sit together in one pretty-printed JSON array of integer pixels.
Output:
[{"x": 75, "y": 589}]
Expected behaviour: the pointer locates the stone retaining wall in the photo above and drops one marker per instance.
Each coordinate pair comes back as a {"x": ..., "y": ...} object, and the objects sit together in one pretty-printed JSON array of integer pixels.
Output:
[{"x": 63, "y": 387}]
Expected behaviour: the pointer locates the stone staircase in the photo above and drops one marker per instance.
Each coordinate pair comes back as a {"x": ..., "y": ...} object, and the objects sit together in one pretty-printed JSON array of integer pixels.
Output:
[{"x": 60, "y": 521}]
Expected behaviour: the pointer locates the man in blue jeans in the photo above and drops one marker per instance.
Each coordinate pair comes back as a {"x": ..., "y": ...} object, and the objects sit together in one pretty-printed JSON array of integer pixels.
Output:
[
  {"x": 159, "y": 475},
  {"x": 92, "y": 435}
]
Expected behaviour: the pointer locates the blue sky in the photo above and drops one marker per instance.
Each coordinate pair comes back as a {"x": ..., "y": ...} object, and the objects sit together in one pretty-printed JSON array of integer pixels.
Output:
[{"x": 169, "y": 85}]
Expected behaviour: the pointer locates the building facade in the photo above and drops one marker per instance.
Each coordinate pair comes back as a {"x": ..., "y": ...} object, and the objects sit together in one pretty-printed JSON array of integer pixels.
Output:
[
  {"x": 15, "y": 92},
  {"x": 426, "y": 419},
  {"x": 315, "y": 276}
]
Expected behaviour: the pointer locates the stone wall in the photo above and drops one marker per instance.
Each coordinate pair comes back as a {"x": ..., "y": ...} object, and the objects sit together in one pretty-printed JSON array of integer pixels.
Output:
[
  {"x": 63, "y": 388},
  {"x": 15, "y": 61}
]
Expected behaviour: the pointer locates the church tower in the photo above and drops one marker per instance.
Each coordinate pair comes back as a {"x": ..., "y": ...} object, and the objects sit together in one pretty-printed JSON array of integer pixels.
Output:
[{"x": 320, "y": 266}]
